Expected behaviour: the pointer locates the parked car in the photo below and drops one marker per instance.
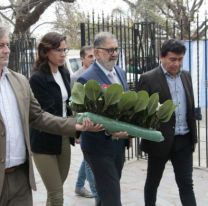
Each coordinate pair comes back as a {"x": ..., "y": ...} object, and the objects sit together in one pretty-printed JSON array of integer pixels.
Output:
[{"x": 73, "y": 61}]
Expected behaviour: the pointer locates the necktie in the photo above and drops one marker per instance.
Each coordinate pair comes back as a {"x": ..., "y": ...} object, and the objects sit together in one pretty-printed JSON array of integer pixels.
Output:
[{"x": 112, "y": 77}]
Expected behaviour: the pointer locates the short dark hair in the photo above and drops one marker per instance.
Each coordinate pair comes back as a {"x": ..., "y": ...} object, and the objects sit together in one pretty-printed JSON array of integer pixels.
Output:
[
  {"x": 49, "y": 41},
  {"x": 84, "y": 49},
  {"x": 172, "y": 45}
]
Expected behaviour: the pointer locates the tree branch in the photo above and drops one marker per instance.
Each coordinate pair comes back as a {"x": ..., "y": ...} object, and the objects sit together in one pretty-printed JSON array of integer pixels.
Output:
[
  {"x": 132, "y": 5},
  {"x": 47, "y": 22},
  {"x": 196, "y": 5},
  {"x": 7, "y": 7},
  {"x": 7, "y": 19}
]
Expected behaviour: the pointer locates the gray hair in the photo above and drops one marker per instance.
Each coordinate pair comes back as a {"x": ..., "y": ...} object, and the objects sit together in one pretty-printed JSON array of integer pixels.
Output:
[
  {"x": 101, "y": 37},
  {"x": 3, "y": 31}
]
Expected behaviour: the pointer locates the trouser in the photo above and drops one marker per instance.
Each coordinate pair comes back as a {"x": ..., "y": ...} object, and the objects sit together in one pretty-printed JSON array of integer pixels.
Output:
[
  {"x": 16, "y": 190},
  {"x": 107, "y": 171},
  {"x": 53, "y": 170},
  {"x": 182, "y": 161},
  {"x": 84, "y": 173}
]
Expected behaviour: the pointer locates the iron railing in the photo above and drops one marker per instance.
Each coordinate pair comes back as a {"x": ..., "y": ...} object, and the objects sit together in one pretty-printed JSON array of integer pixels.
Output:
[{"x": 140, "y": 48}]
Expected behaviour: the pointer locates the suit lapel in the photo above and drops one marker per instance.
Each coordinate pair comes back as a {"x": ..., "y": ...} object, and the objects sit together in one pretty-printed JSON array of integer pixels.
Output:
[
  {"x": 101, "y": 74},
  {"x": 66, "y": 81},
  {"x": 163, "y": 83},
  {"x": 1, "y": 119},
  {"x": 18, "y": 94},
  {"x": 186, "y": 87},
  {"x": 21, "y": 101},
  {"x": 120, "y": 77}
]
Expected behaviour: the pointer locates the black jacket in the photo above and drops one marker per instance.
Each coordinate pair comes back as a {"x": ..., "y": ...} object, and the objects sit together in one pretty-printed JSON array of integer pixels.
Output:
[
  {"x": 155, "y": 81},
  {"x": 48, "y": 94}
]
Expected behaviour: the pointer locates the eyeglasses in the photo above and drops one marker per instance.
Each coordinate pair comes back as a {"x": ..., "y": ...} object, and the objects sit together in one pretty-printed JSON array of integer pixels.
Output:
[
  {"x": 110, "y": 50},
  {"x": 61, "y": 50}
]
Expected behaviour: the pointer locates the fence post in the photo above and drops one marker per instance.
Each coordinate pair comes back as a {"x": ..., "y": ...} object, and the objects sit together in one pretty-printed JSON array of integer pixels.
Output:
[{"x": 82, "y": 28}]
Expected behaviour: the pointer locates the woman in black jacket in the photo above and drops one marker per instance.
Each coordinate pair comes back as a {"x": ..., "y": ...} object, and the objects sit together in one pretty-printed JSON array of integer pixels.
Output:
[{"x": 50, "y": 84}]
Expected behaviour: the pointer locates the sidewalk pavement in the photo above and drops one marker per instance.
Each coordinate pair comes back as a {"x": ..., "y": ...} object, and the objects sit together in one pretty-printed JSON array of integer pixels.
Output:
[{"x": 132, "y": 183}]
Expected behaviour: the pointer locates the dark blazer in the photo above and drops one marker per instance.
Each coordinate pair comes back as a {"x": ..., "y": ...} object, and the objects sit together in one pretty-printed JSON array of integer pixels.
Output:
[
  {"x": 48, "y": 94},
  {"x": 155, "y": 81},
  {"x": 98, "y": 143}
]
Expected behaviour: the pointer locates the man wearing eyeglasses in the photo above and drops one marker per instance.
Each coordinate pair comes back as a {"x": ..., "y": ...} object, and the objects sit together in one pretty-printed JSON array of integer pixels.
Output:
[{"x": 104, "y": 155}]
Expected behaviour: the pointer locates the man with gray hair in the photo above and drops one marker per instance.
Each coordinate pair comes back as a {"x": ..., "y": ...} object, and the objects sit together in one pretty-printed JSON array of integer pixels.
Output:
[
  {"x": 18, "y": 109},
  {"x": 105, "y": 155}
]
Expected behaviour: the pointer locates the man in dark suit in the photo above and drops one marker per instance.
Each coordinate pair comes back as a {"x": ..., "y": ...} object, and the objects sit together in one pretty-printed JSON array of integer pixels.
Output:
[
  {"x": 104, "y": 155},
  {"x": 171, "y": 82}
]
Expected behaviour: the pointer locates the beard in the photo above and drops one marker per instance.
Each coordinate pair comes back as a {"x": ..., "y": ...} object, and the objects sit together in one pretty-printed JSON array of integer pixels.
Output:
[{"x": 108, "y": 64}]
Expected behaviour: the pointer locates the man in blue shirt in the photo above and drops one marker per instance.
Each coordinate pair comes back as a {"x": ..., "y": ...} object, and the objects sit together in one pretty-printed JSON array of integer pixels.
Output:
[{"x": 180, "y": 132}]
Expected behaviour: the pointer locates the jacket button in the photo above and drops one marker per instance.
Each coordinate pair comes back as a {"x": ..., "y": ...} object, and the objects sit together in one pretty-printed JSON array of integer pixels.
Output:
[{"x": 2, "y": 160}]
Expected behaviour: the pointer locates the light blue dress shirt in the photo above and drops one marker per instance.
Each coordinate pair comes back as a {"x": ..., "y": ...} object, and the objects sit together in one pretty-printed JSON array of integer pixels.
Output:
[{"x": 179, "y": 98}]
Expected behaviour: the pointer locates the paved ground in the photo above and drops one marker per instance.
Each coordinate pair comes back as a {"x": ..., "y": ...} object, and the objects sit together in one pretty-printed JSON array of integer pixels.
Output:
[{"x": 131, "y": 184}]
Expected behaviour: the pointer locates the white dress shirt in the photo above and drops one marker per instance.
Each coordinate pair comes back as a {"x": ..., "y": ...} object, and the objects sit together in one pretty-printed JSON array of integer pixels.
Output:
[
  {"x": 15, "y": 143},
  {"x": 59, "y": 80}
]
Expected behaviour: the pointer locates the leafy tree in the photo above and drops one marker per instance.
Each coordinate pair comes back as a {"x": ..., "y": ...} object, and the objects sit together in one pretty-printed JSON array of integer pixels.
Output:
[
  {"x": 68, "y": 19},
  {"x": 24, "y": 13},
  {"x": 181, "y": 13}
]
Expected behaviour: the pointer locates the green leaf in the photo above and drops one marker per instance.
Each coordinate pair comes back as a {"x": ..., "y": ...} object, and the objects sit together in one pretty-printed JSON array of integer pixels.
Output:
[
  {"x": 166, "y": 110},
  {"x": 78, "y": 93},
  {"x": 92, "y": 90},
  {"x": 127, "y": 101},
  {"x": 153, "y": 104},
  {"x": 142, "y": 101},
  {"x": 112, "y": 95}
]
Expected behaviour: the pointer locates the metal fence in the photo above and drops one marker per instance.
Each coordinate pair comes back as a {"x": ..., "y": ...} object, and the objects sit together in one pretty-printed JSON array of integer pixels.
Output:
[
  {"x": 23, "y": 54},
  {"x": 140, "y": 46}
]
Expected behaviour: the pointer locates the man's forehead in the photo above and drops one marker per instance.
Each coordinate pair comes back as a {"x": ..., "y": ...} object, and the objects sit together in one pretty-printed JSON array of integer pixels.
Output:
[
  {"x": 110, "y": 41},
  {"x": 3, "y": 39},
  {"x": 89, "y": 51}
]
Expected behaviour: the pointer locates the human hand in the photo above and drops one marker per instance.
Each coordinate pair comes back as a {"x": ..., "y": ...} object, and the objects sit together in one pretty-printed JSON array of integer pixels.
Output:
[
  {"x": 88, "y": 125},
  {"x": 77, "y": 140},
  {"x": 119, "y": 135}
]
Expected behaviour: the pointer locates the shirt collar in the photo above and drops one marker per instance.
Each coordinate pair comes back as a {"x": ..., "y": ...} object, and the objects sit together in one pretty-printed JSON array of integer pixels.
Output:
[
  {"x": 168, "y": 74},
  {"x": 5, "y": 72}
]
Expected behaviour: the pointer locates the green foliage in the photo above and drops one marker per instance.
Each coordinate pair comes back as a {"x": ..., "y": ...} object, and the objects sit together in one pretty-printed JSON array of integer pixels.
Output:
[
  {"x": 165, "y": 111},
  {"x": 78, "y": 93},
  {"x": 127, "y": 101},
  {"x": 153, "y": 104},
  {"x": 92, "y": 90},
  {"x": 136, "y": 108},
  {"x": 112, "y": 95},
  {"x": 142, "y": 101}
]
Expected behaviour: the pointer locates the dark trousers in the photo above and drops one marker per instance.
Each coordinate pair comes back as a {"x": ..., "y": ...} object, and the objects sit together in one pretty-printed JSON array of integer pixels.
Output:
[
  {"x": 107, "y": 172},
  {"x": 182, "y": 160}
]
